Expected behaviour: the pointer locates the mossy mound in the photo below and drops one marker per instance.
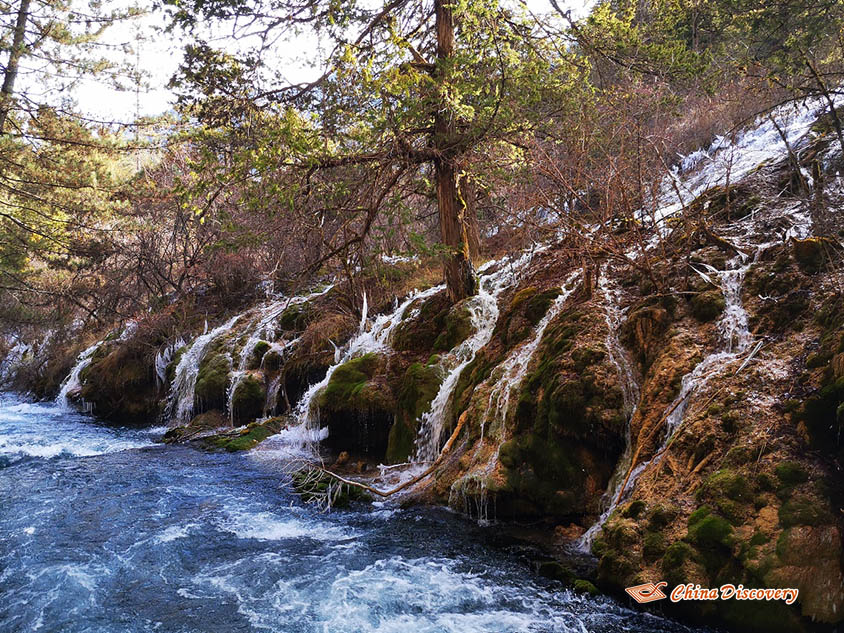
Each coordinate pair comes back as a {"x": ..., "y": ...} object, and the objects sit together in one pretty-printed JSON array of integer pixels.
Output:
[
  {"x": 256, "y": 356},
  {"x": 197, "y": 427},
  {"x": 212, "y": 379},
  {"x": 457, "y": 327},
  {"x": 707, "y": 306},
  {"x": 569, "y": 424},
  {"x": 417, "y": 389},
  {"x": 296, "y": 317},
  {"x": 357, "y": 406},
  {"x": 247, "y": 438},
  {"x": 424, "y": 322},
  {"x": 120, "y": 383},
  {"x": 248, "y": 397}
]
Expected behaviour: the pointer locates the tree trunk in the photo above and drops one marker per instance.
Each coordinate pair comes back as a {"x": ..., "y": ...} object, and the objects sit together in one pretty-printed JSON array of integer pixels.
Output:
[
  {"x": 11, "y": 74},
  {"x": 455, "y": 227}
]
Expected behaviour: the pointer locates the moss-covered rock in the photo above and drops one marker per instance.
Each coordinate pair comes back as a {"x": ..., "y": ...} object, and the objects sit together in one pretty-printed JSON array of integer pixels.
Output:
[
  {"x": 707, "y": 306},
  {"x": 418, "y": 388},
  {"x": 120, "y": 384},
  {"x": 249, "y": 395},
  {"x": 423, "y": 323},
  {"x": 358, "y": 407},
  {"x": 457, "y": 327},
  {"x": 200, "y": 426},
  {"x": 246, "y": 438},
  {"x": 256, "y": 357},
  {"x": 212, "y": 379}
]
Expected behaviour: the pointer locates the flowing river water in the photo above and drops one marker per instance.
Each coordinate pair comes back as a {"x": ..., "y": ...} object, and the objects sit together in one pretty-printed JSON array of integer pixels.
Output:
[{"x": 104, "y": 530}]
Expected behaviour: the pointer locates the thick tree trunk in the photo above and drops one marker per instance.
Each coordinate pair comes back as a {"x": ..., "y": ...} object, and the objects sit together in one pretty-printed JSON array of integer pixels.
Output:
[
  {"x": 455, "y": 227},
  {"x": 11, "y": 74}
]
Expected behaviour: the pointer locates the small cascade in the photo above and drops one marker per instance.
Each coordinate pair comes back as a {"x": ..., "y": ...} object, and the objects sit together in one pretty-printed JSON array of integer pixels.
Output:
[
  {"x": 375, "y": 338},
  {"x": 515, "y": 366},
  {"x": 470, "y": 491},
  {"x": 263, "y": 325},
  {"x": 72, "y": 384},
  {"x": 163, "y": 358},
  {"x": 181, "y": 398},
  {"x": 274, "y": 388},
  {"x": 235, "y": 378},
  {"x": 483, "y": 309},
  {"x": 728, "y": 160},
  {"x": 614, "y": 315},
  {"x": 735, "y": 340},
  {"x": 13, "y": 360}
]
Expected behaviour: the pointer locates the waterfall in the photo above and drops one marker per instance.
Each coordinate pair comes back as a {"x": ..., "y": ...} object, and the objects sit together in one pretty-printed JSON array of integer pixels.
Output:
[
  {"x": 515, "y": 366},
  {"x": 163, "y": 358},
  {"x": 263, "y": 326},
  {"x": 508, "y": 377},
  {"x": 72, "y": 384},
  {"x": 13, "y": 360},
  {"x": 375, "y": 338},
  {"x": 483, "y": 309},
  {"x": 614, "y": 314},
  {"x": 734, "y": 340},
  {"x": 180, "y": 401}
]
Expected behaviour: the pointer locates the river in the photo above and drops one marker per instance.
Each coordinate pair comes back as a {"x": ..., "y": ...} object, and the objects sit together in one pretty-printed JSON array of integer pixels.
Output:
[{"x": 104, "y": 530}]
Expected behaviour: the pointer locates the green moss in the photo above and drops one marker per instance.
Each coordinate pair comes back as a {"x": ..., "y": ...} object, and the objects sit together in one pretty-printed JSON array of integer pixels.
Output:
[
  {"x": 257, "y": 355},
  {"x": 346, "y": 388},
  {"x": 707, "y": 306},
  {"x": 584, "y": 586},
  {"x": 212, "y": 379},
  {"x": 537, "y": 305},
  {"x": 248, "y": 398},
  {"x": 296, "y": 317},
  {"x": 251, "y": 436},
  {"x": 522, "y": 296},
  {"x": 653, "y": 546},
  {"x": 699, "y": 514},
  {"x": 803, "y": 510},
  {"x": 711, "y": 532},
  {"x": 457, "y": 328},
  {"x": 661, "y": 515},
  {"x": 418, "y": 388},
  {"x": 634, "y": 509},
  {"x": 676, "y": 555},
  {"x": 790, "y": 473},
  {"x": 728, "y": 483},
  {"x": 757, "y": 539}
]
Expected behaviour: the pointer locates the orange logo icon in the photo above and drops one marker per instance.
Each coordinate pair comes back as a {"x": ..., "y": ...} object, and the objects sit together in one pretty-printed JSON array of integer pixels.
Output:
[{"x": 647, "y": 592}]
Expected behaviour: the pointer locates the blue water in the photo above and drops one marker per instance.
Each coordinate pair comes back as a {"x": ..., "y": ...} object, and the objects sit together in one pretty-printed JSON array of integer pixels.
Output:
[{"x": 103, "y": 530}]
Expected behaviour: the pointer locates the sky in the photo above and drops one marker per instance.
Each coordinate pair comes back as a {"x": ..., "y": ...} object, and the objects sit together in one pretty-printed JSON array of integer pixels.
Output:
[{"x": 159, "y": 54}]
